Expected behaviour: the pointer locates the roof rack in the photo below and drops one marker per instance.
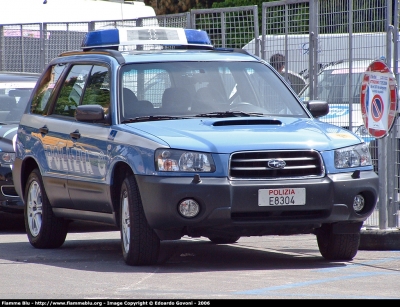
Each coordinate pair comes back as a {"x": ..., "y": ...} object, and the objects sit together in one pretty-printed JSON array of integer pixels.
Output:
[{"x": 152, "y": 37}]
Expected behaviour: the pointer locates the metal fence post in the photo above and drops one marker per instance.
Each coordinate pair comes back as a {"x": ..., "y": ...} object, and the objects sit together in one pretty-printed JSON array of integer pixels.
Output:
[
  {"x": 189, "y": 21},
  {"x": 349, "y": 93},
  {"x": 42, "y": 38},
  {"x": 396, "y": 148},
  {"x": 91, "y": 26},
  {"x": 44, "y": 45},
  {"x": 2, "y": 46},
  {"x": 22, "y": 68},
  {"x": 263, "y": 31},
  {"x": 313, "y": 49}
]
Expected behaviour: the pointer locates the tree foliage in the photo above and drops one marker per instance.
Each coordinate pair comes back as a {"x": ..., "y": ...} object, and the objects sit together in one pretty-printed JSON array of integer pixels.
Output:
[{"x": 163, "y": 7}]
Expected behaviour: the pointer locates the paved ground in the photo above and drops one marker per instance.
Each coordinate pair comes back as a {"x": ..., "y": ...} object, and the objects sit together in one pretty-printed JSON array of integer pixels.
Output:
[{"x": 89, "y": 267}]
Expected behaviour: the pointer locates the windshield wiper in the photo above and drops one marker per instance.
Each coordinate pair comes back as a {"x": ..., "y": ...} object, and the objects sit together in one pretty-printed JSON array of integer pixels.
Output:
[
  {"x": 151, "y": 118},
  {"x": 211, "y": 114},
  {"x": 229, "y": 114}
]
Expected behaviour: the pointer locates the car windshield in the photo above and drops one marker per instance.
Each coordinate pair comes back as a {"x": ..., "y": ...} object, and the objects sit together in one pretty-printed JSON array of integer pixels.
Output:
[
  {"x": 215, "y": 89},
  {"x": 14, "y": 97}
]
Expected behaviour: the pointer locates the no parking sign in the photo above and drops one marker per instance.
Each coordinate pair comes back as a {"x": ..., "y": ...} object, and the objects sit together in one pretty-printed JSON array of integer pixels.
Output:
[{"x": 378, "y": 99}]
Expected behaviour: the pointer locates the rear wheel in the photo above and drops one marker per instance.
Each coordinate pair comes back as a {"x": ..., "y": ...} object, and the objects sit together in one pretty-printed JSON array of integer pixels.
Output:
[
  {"x": 224, "y": 239},
  {"x": 337, "y": 246},
  {"x": 43, "y": 228},
  {"x": 140, "y": 244}
]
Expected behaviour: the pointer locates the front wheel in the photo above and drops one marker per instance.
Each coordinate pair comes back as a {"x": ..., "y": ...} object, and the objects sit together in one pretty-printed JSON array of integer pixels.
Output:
[
  {"x": 337, "y": 246},
  {"x": 43, "y": 228},
  {"x": 140, "y": 244}
]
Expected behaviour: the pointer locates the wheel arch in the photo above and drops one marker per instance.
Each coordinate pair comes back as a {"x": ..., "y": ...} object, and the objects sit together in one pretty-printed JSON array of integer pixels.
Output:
[
  {"x": 119, "y": 173},
  {"x": 28, "y": 165}
]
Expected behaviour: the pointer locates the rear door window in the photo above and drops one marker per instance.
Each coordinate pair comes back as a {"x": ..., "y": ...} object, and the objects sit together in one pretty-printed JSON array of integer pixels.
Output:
[
  {"x": 85, "y": 84},
  {"x": 72, "y": 90},
  {"x": 41, "y": 100}
]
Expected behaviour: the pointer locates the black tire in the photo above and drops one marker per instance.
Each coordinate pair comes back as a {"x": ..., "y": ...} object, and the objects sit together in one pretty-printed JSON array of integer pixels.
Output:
[
  {"x": 224, "y": 239},
  {"x": 43, "y": 228},
  {"x": 337, "y": 246},
  {"x": 140, "y": 244}
]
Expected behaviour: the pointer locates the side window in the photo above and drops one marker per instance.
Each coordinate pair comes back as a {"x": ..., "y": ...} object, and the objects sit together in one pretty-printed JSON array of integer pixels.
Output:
[
  {"x": 98, "y": 88},
  {"x": 147, "y": 84},
  {"x": 156, "y": 81},
  {"x": 71, "y": 90},
  {"x": 40, "y": 102}
]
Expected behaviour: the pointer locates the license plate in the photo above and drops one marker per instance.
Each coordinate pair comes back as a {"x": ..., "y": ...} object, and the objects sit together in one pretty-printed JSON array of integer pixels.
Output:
[{"x": 282, "y": 197}]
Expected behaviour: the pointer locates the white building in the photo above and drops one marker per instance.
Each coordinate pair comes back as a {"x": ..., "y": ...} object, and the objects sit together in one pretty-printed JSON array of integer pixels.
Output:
[{"x": 40, "y": 11}]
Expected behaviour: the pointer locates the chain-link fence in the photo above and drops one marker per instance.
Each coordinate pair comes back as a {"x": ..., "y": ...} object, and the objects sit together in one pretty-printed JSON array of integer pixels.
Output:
[{"x": 327, "y": 45}]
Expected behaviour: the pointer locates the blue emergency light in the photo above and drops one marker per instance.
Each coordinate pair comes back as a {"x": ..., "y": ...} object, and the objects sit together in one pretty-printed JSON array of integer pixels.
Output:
[{"x": 139, "y": 36}]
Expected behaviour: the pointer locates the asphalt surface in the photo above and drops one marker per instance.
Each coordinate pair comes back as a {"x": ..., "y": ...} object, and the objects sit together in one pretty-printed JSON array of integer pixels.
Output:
[
  {"x": 371, "y": 238},
  {"x": 90, "y": 266}
]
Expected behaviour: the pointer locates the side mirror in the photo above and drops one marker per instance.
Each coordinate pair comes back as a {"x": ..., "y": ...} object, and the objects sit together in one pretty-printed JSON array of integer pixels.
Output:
[{"x": 317, "y": 108}]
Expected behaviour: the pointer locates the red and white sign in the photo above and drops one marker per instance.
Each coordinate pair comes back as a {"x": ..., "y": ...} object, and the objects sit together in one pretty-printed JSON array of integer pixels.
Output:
[{"x": 378, "y": 99}]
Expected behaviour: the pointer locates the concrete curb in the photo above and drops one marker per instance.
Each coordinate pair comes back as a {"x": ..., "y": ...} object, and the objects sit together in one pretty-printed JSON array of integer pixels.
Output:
[{"x": 380, "y": 239}]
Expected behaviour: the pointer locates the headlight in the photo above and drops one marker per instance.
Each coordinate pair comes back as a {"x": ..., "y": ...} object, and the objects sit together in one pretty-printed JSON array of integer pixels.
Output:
[
  {"x": 170, "y": 160},
  {"x": 7, "y": 158},
  {"x": 353, "y": 156}
]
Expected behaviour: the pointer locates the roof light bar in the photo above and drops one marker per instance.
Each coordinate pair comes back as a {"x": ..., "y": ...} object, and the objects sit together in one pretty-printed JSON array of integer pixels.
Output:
[{"x": 146, "y": 36}]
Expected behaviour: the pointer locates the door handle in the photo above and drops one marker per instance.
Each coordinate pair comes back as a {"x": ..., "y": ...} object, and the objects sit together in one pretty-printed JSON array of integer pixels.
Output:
[
  {"x": 75, "y": 135},
  {"x": 44, "y": 130}
]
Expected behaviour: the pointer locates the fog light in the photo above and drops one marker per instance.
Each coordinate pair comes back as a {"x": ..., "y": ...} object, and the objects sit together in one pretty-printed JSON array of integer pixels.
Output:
[
  {"x": 359, "y": 203},
  {"x": 189, "y": 208}
]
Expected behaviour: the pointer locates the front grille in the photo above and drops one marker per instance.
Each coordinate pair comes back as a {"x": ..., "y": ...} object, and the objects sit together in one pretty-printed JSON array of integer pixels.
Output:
[{"x": 254, "y": 165}]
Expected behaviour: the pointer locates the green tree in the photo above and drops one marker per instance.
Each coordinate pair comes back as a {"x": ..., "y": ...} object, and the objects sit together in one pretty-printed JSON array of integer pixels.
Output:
[{"x": 163, "y": 7}]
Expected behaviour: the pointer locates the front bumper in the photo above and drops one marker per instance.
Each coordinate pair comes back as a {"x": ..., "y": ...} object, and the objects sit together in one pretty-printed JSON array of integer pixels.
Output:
[{"x": 231, "y": 207}]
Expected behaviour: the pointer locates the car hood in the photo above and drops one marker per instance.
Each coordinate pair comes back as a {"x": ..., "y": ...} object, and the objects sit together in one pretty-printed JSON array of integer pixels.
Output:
[
  {"x": 7, "y": 132},
  {"x": 254, "y": 133}
]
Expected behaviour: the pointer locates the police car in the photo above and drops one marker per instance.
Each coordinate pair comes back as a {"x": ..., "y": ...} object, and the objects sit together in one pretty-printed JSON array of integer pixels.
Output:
[
  {"x": 15, "y": 89},
  {"x": 157, "y": 132}
]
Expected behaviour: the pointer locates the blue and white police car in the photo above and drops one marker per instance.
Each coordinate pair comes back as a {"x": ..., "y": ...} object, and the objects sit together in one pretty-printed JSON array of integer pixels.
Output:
[{"x": 157, "y": 132}]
